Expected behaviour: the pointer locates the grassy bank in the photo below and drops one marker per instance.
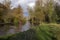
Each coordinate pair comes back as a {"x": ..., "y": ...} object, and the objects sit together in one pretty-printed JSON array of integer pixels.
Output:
[{"x": 42, "y": 32}]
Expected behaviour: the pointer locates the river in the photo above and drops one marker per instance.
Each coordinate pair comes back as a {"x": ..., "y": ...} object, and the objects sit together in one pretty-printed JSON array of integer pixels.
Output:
[
  {"x": 25, "y": 27},
  {"x": 22, "y": 29},
  {"x": 12, "y": 29}
]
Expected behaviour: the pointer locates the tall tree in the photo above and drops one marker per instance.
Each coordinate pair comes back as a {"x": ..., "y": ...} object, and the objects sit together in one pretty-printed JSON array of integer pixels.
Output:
[
  {"x": 37, "y": 14},
  {"x": 57, "y": 10},
  {"x": 39, "y": 10},
  {"x": 17, "y": 17},
  {"x": 7, "y": 3},
  {"x": 51, "y": 11},
  {"x": 18, "y": 12},
  {"x": 3, "y": 11}
]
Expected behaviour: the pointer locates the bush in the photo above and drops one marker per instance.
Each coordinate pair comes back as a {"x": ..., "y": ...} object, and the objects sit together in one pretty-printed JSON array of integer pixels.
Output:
[{"x": 28, "y": 35}]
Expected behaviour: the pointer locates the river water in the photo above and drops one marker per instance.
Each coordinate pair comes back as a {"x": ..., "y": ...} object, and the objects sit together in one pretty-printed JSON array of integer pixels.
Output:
[
  {"x": 25, "y": 27},
  {"x": 12, "y": 29}
]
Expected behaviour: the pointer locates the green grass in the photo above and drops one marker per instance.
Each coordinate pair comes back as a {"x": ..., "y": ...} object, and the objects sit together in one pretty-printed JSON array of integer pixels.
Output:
[{"x": 42, "y": 32}]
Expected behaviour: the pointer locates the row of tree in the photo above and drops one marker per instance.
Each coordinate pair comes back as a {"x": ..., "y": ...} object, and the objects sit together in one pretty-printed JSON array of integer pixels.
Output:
[
  {"x": 8, "y": 15},
  {"x": 48, "y": 12}
]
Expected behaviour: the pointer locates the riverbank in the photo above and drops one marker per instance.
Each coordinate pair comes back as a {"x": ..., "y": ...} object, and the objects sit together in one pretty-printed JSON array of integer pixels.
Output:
[{"x": 42, "y": 32}]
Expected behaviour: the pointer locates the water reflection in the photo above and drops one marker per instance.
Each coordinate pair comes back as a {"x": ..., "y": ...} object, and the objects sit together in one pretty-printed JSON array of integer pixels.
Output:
[
  {"x": 12, "y": 29},
  {"x": 26, "y": 27},
  {"x": 3, "y": 30}
]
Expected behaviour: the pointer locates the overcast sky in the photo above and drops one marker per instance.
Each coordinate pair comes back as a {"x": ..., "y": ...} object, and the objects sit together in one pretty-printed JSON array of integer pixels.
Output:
[{"x": 23, "y": 2}]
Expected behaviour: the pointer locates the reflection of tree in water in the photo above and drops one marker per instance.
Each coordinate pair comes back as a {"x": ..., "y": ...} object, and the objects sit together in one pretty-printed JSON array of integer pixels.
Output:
[
  {"x": 3, "y": 26},
  {"x": 1, "y": 23}
]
